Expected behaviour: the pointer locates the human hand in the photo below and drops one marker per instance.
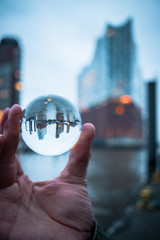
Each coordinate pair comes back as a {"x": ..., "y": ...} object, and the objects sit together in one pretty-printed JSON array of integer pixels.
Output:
[{"x": 57, "y": 209}]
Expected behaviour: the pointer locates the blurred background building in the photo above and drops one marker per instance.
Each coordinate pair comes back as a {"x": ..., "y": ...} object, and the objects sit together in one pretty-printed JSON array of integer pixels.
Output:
[
  {"x": 10, "y": 82},
  {"x": 110, "y": 89}
]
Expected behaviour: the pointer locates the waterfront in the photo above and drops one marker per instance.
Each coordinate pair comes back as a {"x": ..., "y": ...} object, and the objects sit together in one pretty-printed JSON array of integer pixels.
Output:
[{"x": 113, "y": 176}]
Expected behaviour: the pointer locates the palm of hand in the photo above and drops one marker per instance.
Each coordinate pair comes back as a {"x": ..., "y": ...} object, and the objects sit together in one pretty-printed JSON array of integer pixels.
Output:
[
  {"x": 55, "y": 209},
  {"x": 47, "y": 210}
]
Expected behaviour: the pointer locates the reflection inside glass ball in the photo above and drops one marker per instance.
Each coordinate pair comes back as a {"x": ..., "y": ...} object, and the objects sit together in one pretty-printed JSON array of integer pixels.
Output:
[{"x": 50, "y": 125}]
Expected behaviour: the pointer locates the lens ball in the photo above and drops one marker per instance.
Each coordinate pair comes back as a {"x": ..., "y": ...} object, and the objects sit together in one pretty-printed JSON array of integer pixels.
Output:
[{"x": 51, "y": 125}]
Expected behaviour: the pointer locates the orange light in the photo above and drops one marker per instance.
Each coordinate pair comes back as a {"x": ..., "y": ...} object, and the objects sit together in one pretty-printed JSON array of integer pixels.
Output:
[
  {"x": 1, "y": 114},
  {"x": 125, "y": 99},
  {"x": 49, "y": 99},
  {"x": 18, "y": 86},
  {"x": 120, "y": 110}
]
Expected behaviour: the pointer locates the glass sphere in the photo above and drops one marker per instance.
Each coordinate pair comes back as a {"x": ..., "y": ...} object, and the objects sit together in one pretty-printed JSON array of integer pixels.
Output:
[{"x": 50, "y": 125}]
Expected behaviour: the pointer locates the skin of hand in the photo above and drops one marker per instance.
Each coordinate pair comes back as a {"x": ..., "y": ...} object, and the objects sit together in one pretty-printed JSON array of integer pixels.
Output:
[{"x": 58, "y": 209}]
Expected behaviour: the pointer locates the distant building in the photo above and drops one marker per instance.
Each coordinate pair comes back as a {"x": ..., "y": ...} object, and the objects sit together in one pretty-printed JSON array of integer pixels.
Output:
[
  {"x": 116, "y": 120},
  {"x": 10, "y": 82},
  {"x": 113, "y": 71},
  {"x": 110, "y": 89}
]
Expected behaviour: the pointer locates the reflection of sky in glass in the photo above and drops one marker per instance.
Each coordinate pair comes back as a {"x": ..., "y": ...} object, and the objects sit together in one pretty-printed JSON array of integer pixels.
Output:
[{"x": 58, "y": 39}]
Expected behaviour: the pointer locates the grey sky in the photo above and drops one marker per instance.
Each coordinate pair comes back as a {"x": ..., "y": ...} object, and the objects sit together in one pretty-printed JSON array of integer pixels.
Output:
[{"x": 58, "y": 38}]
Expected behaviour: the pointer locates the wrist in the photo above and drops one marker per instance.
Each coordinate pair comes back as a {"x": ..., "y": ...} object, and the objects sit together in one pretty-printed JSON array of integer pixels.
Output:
[{"x": 98, "y": 232}]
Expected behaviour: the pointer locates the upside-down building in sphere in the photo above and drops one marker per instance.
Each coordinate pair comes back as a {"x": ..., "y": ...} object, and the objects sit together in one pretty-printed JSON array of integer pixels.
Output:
[
  {"x": 110, "y": 93},
  {"x": 10, "y": 83}
]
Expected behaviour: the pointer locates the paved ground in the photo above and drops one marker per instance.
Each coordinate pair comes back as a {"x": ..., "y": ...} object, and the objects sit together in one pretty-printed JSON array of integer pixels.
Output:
[{"x": 142, "y": 219}]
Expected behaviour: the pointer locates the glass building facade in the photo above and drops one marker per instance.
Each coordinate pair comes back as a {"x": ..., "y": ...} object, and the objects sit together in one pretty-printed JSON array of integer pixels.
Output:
[
  {"x": 10, "y": 83},
  {"x": 113, "y": 71},
  {"x": 110, "y": 89}
]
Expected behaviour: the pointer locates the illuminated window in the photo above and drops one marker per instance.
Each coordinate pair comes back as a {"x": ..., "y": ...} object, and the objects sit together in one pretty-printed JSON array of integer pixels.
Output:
[
  {"x": 1, "y": 113},
  {"x": 18, "y": 86},
  {"x": 125, "y": 99},
  {"x": 119, "y": 110}
]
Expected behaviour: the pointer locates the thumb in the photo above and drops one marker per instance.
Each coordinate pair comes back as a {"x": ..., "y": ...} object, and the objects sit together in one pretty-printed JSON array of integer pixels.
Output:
[{"x": 80, "y": 154}]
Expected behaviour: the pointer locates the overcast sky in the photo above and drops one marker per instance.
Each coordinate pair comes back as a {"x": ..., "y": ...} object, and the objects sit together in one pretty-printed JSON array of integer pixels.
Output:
[{"x": 58, "y": 38}]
